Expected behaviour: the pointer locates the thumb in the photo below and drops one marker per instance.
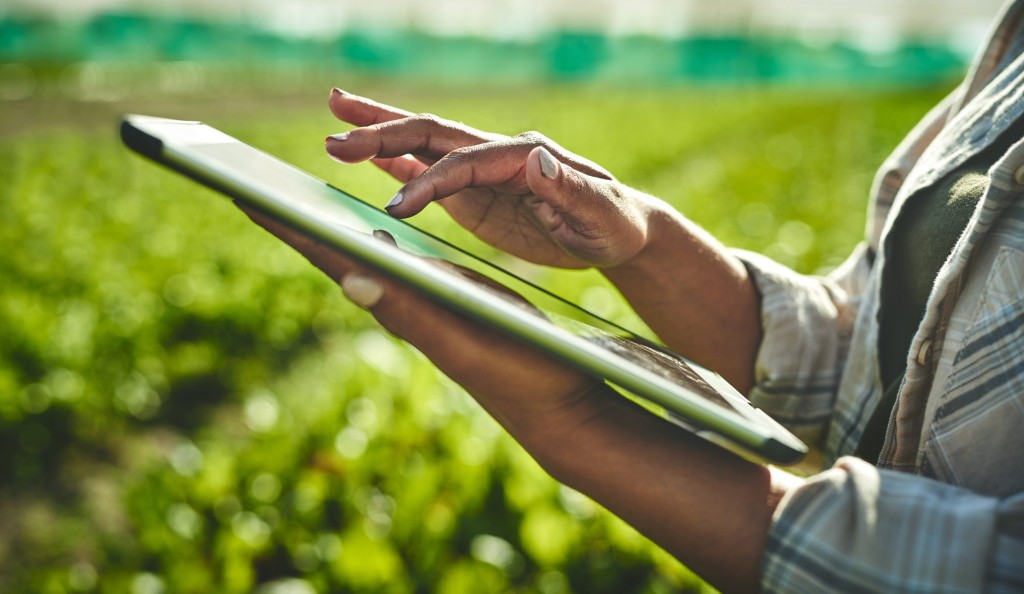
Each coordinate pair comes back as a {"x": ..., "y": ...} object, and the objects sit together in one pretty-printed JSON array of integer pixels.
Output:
[
  {"x": 565, "y": 194},
  {"x": 596, "y": 219}
]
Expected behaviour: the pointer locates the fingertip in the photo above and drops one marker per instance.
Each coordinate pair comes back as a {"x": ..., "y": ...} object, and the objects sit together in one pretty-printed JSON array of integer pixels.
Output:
[
  {"x": 349, "y": 147},
  {"x": 410, "y": 200},
  {"x": 552, "y": 180},
  {"x": 328, "y": 146},
  {"x": 336, "y": 93},
  {"x": 544, "y": 173},
  {"x": 549, "y": 165},
  {"x": 384, "y": 236},
  {"x": 399, "y": 206},
  {"x": 337, "y": 102},
  {"x": 361, "y": 289},
  {"x": 396, "y": 200}
]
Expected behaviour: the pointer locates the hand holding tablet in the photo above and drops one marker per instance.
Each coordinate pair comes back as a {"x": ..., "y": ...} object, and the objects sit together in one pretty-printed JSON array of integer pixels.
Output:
[{"x": 478, "y": 334}]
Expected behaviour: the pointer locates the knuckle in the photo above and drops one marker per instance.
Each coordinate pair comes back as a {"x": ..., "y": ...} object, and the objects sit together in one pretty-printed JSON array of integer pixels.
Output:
[
  {"x": 573, "y": 183},
  {"x": 428, "y": 119},
  {"x": 532, "y": 137},
  {"x": 461, "y": 155},
  {"x": 617, "y": 192}
]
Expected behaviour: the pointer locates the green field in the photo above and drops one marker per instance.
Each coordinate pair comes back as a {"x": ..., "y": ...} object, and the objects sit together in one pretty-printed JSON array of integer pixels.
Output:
[{"x": 187, "y": 406}]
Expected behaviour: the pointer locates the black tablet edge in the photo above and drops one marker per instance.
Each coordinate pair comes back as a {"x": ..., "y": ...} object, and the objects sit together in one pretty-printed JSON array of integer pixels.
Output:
[{"x": 153, "y": 149}]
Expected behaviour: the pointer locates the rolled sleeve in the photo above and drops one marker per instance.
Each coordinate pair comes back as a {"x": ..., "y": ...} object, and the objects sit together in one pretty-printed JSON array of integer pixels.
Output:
[
  {"x": 806, "y": 325},
  {"x": 856, "y": 528}
]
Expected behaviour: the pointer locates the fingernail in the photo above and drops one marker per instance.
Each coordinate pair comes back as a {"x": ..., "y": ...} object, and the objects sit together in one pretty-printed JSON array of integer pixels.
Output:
[
  {"x": 385, "y": 236},
  {"x": 548, "y": 164},
  {"x": 337, "y": 91},
  {"x": 342, "y": 136},
  {"x": 395, "y": 201},
  {"x": 361, "y": 290}
]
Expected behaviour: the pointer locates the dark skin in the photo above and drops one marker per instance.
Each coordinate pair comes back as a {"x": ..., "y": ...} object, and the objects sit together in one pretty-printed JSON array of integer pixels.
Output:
[{"x": 530, "y": 197}]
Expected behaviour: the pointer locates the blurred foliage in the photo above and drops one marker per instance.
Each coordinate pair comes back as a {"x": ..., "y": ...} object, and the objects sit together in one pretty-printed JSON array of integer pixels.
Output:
[{"x": 187, "y": 406}]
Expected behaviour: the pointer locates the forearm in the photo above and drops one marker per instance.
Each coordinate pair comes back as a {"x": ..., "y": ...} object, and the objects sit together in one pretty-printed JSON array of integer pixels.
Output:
[
  {"x": 695, "y": 295},
  {"x": 707, "y": 507}
]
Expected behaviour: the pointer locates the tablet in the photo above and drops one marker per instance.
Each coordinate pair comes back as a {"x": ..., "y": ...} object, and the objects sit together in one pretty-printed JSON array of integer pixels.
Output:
[{"x": 681, "y": 391}]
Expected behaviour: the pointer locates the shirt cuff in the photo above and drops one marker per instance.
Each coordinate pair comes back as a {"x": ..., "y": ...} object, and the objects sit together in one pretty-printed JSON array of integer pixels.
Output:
[
  {"x": 806, "y": 323},
  {"x": 855, "y": 528}
]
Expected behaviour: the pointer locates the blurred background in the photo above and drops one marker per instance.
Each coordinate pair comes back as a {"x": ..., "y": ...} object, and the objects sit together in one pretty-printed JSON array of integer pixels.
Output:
[
  {"x": 209, "y": 46},
  {"x": 186, "y": 406}
]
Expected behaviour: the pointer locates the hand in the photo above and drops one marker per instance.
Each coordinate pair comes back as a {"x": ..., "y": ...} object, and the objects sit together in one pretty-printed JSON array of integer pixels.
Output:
[
  {"x": 530, "y": 197},
  {"x": 496, "y": 369},
  {"x": 524, "y": 194}
]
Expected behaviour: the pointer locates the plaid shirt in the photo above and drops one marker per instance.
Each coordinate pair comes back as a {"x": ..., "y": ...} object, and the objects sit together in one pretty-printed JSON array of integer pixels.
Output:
[{"x": 943, "y": 510}]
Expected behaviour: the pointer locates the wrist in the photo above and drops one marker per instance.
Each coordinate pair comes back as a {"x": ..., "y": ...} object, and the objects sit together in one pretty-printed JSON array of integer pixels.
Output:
[
  {"x": 553, "y": 435},
  {"x": 664, "y": 228},
  {"x": 695, "y": 294}
]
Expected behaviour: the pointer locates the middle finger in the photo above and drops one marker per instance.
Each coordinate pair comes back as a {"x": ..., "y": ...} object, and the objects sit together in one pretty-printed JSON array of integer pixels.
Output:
[{"x": 424, "y": 136}]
